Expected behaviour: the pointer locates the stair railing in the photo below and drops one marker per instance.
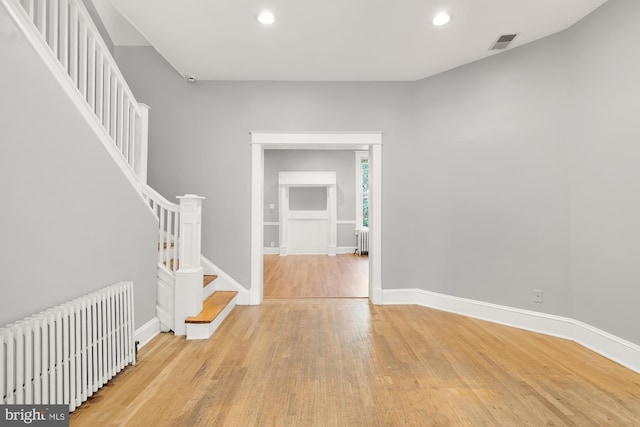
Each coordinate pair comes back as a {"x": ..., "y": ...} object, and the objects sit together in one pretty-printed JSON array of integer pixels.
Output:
[
  {"x": 65, "y": 37},
  {"x": 67, "y": 29},
  {"x": 168, "y": 215}
]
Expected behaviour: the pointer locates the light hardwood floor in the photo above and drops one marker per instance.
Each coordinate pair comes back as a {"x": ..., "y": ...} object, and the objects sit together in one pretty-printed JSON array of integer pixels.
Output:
[
  {"x": 304, "y": 276},
  {"x": 344, "y": 362}
]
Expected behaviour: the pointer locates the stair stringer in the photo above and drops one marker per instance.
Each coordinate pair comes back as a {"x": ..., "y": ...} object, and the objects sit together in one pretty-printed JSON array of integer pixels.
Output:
[{"x": 224, "y": 282}]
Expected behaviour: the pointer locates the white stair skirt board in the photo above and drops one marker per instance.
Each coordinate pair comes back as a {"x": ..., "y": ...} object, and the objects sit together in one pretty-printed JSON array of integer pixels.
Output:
[
  {"x": 224, "y": 282},
  {"x": 145, "y": 333},
  {"x": 202, "y": 331},
  {"x": 614, "y": 348},
  {"x": 165, "y": 298}
]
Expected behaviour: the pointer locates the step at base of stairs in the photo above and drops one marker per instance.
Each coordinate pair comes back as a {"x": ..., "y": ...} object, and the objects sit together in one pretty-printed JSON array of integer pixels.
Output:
[{"x": 216, "y": 308}]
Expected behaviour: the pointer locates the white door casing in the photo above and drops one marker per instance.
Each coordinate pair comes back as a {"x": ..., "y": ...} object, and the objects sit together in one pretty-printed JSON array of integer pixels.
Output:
[{"x": 371, "y": 141}]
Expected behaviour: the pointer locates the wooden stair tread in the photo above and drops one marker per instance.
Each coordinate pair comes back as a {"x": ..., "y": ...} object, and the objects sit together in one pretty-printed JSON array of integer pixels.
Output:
[
  {"x": 212, "y": 307},
  {"x": 208, "y": 278},
  {"x": 166, "y": 245}
]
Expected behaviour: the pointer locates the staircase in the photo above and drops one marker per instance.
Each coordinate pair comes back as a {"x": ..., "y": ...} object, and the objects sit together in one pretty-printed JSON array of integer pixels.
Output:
[{"x": 188, "y": 302}]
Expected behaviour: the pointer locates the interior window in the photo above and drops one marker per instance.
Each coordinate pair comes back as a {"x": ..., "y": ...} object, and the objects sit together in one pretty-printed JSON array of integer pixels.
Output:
[{"x": 362, "y": 189}]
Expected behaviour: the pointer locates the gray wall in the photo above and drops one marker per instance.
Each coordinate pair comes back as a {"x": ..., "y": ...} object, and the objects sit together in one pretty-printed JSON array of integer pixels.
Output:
[
  {"x": 604, "y": 154},
  {"x": 505, "y": 175},
  {"x": 308, "y": 198},
  {"x": 491, "y": 140},
  {"x": 91, "y": 8},
  {"x": 340, "y": 161},
  {"x": 72, "y": 223},
  {"x": 200, "y": 142}
]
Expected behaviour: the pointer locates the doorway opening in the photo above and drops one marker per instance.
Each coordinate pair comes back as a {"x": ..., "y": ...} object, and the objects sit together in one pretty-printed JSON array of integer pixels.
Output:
[
  {"x": 367, "y": 144},
  {"x": 310, "y": 235}
]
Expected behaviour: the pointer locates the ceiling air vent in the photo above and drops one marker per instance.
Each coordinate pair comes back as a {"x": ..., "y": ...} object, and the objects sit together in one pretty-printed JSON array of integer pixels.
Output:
[{"x": 503, "y": 42}]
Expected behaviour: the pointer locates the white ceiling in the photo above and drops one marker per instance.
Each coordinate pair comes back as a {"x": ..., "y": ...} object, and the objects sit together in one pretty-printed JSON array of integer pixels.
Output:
[{"x": 348, "y": 40}]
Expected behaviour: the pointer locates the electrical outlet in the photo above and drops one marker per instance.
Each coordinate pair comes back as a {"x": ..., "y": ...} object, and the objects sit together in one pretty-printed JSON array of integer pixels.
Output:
[
  {"x": 272, "y": 205},
  {"x": 537, "y": 296},
  {"x": 273, "y": 244}
]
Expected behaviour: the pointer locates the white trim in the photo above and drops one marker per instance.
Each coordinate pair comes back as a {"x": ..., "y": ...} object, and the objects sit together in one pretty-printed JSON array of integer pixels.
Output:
[
  {"x": 288, "y": 218},
  {"x": 145, "y": 333},
  {"x": 610, "y": 346},
  {"x": 345, "y": 249},
  {"x": 257, "y": 229},
  {"x": 224, "y": 282},
  {"x": 321, "y": 140},
  {"x": 316, "y": 138},
  {"x": 339, "y": 222},
  {"x": 375, "y": 224},
  {"x": 339, "y": 250},
  {"x": 307, "y": 179}
]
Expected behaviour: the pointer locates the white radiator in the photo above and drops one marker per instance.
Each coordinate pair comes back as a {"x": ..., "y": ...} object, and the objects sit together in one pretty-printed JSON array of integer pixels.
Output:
[
  {"x": 363, "y": 241},
  {"x": 64, "y": 354}
]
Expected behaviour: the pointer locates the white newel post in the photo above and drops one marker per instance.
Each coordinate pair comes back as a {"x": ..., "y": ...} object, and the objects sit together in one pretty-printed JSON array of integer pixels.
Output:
[
  {"x": 188, "y": 289},
  {"x": 141, "y": 150}
]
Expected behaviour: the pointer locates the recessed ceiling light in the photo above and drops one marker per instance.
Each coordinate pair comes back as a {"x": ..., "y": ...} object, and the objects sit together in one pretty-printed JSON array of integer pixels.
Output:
[
  {"x": 441, "y": 19},
  {"x": 266, "y": 18}
]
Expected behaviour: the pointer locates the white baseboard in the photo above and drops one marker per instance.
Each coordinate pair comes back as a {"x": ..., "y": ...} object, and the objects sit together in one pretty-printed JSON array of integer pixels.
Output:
[
  {"x": 224, "y": 282},
  {"x": 147, "y": 332},
  {"x": 610, "y": 346},
  {"x": 346, "y": 249},
  {"x": 339, "y": 250},
  {"x": 614, "y": 348}
]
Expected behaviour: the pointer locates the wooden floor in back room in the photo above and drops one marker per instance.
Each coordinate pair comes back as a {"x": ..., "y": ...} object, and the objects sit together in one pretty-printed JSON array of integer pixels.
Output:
[{"x": 316, "y": 276}]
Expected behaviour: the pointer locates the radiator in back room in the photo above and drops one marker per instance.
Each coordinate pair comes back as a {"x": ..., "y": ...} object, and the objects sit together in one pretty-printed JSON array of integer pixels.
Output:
[{"x": 363, "y": 241}]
